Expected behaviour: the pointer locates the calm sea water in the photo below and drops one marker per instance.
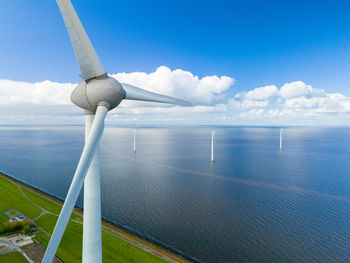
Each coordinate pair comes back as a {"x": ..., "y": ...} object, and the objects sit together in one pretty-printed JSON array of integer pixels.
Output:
[{"x": 254, "y": 204}]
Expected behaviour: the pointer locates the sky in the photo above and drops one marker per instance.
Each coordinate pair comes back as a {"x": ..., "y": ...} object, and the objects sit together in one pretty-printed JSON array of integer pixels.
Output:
[{"x": 239, "y": 62}]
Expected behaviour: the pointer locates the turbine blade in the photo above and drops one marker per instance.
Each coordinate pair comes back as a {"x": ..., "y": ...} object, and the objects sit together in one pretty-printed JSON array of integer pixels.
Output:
[
  {"x": 134, "y": 93},
  {"x": 89, "y": 64},
  {"x": 78, "y": 180}
]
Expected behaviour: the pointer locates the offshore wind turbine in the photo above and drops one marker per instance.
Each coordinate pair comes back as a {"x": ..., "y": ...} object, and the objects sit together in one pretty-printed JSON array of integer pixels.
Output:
[
  {"x": 97, "y": 94},
  {"x": 281, "y": 134},
  {"x": 212, "y": 146},
  {"x": 134, "y": 140}
]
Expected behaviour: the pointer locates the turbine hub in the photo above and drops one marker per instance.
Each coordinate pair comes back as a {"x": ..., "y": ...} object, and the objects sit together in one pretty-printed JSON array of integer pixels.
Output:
[{"x": 88, "y": 95}]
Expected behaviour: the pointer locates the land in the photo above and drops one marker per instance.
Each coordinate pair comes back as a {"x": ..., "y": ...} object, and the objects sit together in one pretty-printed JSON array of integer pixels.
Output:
[
  {"x": 42, "y": 211},
  {"x": 13, "y": 257}
]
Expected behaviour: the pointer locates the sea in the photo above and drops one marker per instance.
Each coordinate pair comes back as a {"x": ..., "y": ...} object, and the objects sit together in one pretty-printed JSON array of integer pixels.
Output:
[{"x": 255, "y": 203}]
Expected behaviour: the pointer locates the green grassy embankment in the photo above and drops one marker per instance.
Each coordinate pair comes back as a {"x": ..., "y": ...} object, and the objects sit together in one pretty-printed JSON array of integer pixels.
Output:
[
  {"x": 13, "y": 196},
  {"x": 15, "y": 257}
]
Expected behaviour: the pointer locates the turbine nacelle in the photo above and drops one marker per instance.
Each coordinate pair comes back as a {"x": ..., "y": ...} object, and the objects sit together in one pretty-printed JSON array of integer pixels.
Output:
[{"x": 105, "y": 91}]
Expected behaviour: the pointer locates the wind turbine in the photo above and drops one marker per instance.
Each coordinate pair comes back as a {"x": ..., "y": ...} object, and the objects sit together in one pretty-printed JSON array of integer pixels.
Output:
[
  {"x": 134, "y": 140},
  {"x": 281, "y": 135},
  {"x": 212, "y": 146},
  {"x": 97, "y": 94}
]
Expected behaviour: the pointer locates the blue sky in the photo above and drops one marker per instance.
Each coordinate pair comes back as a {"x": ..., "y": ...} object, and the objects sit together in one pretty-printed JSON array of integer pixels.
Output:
[{"x": 258, "y": 43}]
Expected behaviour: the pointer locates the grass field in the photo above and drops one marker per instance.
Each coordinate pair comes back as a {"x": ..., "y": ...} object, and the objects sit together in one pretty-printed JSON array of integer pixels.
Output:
[
  {"x": 12, "y": 198},
  {"x": 14, "y": 257},
  {"x": 46, "y": 204},
  {"x": 114, "y": 248}
]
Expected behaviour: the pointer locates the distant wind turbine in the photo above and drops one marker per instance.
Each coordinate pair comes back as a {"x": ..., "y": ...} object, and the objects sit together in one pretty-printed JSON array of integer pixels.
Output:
[
  {"x": 281, "y": 134},
  {"x": 212, "y": 145},
  {"x": 97, "y": 94},
  {"x": 134, "y": 140}
]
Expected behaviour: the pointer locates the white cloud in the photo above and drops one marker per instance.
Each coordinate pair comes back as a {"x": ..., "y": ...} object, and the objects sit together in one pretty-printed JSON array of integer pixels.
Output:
[
  {"x": 256, "y": 98},
  {"x": 252, "y": 114},
  {"x": 247, "y": 104},
  {"x": 299, "y": 89},
  {"x": 44, "y": 100},
  {"x": 179, "y": 83},
  {"x": 294, "y": 102},
  {"x": 300, "y": 103},
  {"x": 199, "y": 109},
  {"x": 44, "y": 93},
  {"x": 332, "y": 102},
  {"x": 345, "y": 104},
  {"x": 262, "y": 93}
]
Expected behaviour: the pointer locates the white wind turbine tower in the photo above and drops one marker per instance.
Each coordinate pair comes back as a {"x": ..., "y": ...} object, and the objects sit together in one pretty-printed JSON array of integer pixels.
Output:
[
  {"x": 97, "y": 95},
  {"x": 134, "y": 140},
  {"x": 281, "y": 134},
  {"x": 212, "y": 145}
]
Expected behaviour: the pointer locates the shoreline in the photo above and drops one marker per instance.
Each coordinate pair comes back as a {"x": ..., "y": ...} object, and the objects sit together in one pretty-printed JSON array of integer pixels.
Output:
[{"x": 143, "y": 242}]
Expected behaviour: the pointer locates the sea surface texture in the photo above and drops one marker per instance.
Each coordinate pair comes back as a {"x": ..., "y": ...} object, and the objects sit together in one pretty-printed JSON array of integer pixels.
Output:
[{"x": 255, "y": 203}]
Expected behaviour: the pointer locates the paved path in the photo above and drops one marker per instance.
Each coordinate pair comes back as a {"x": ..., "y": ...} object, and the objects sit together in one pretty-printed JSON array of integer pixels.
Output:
[
  {"x": 4, "y": 241},
  {"x": 43, "y": 212},
  {"x": 9, "y": 215}
]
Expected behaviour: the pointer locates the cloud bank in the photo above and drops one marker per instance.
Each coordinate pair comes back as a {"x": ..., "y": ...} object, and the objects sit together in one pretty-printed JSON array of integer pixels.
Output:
[
  {"x": 296, "y": 102},
  {"x": 293, "y": 101},
  {"x": 179, "y": 83}
]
